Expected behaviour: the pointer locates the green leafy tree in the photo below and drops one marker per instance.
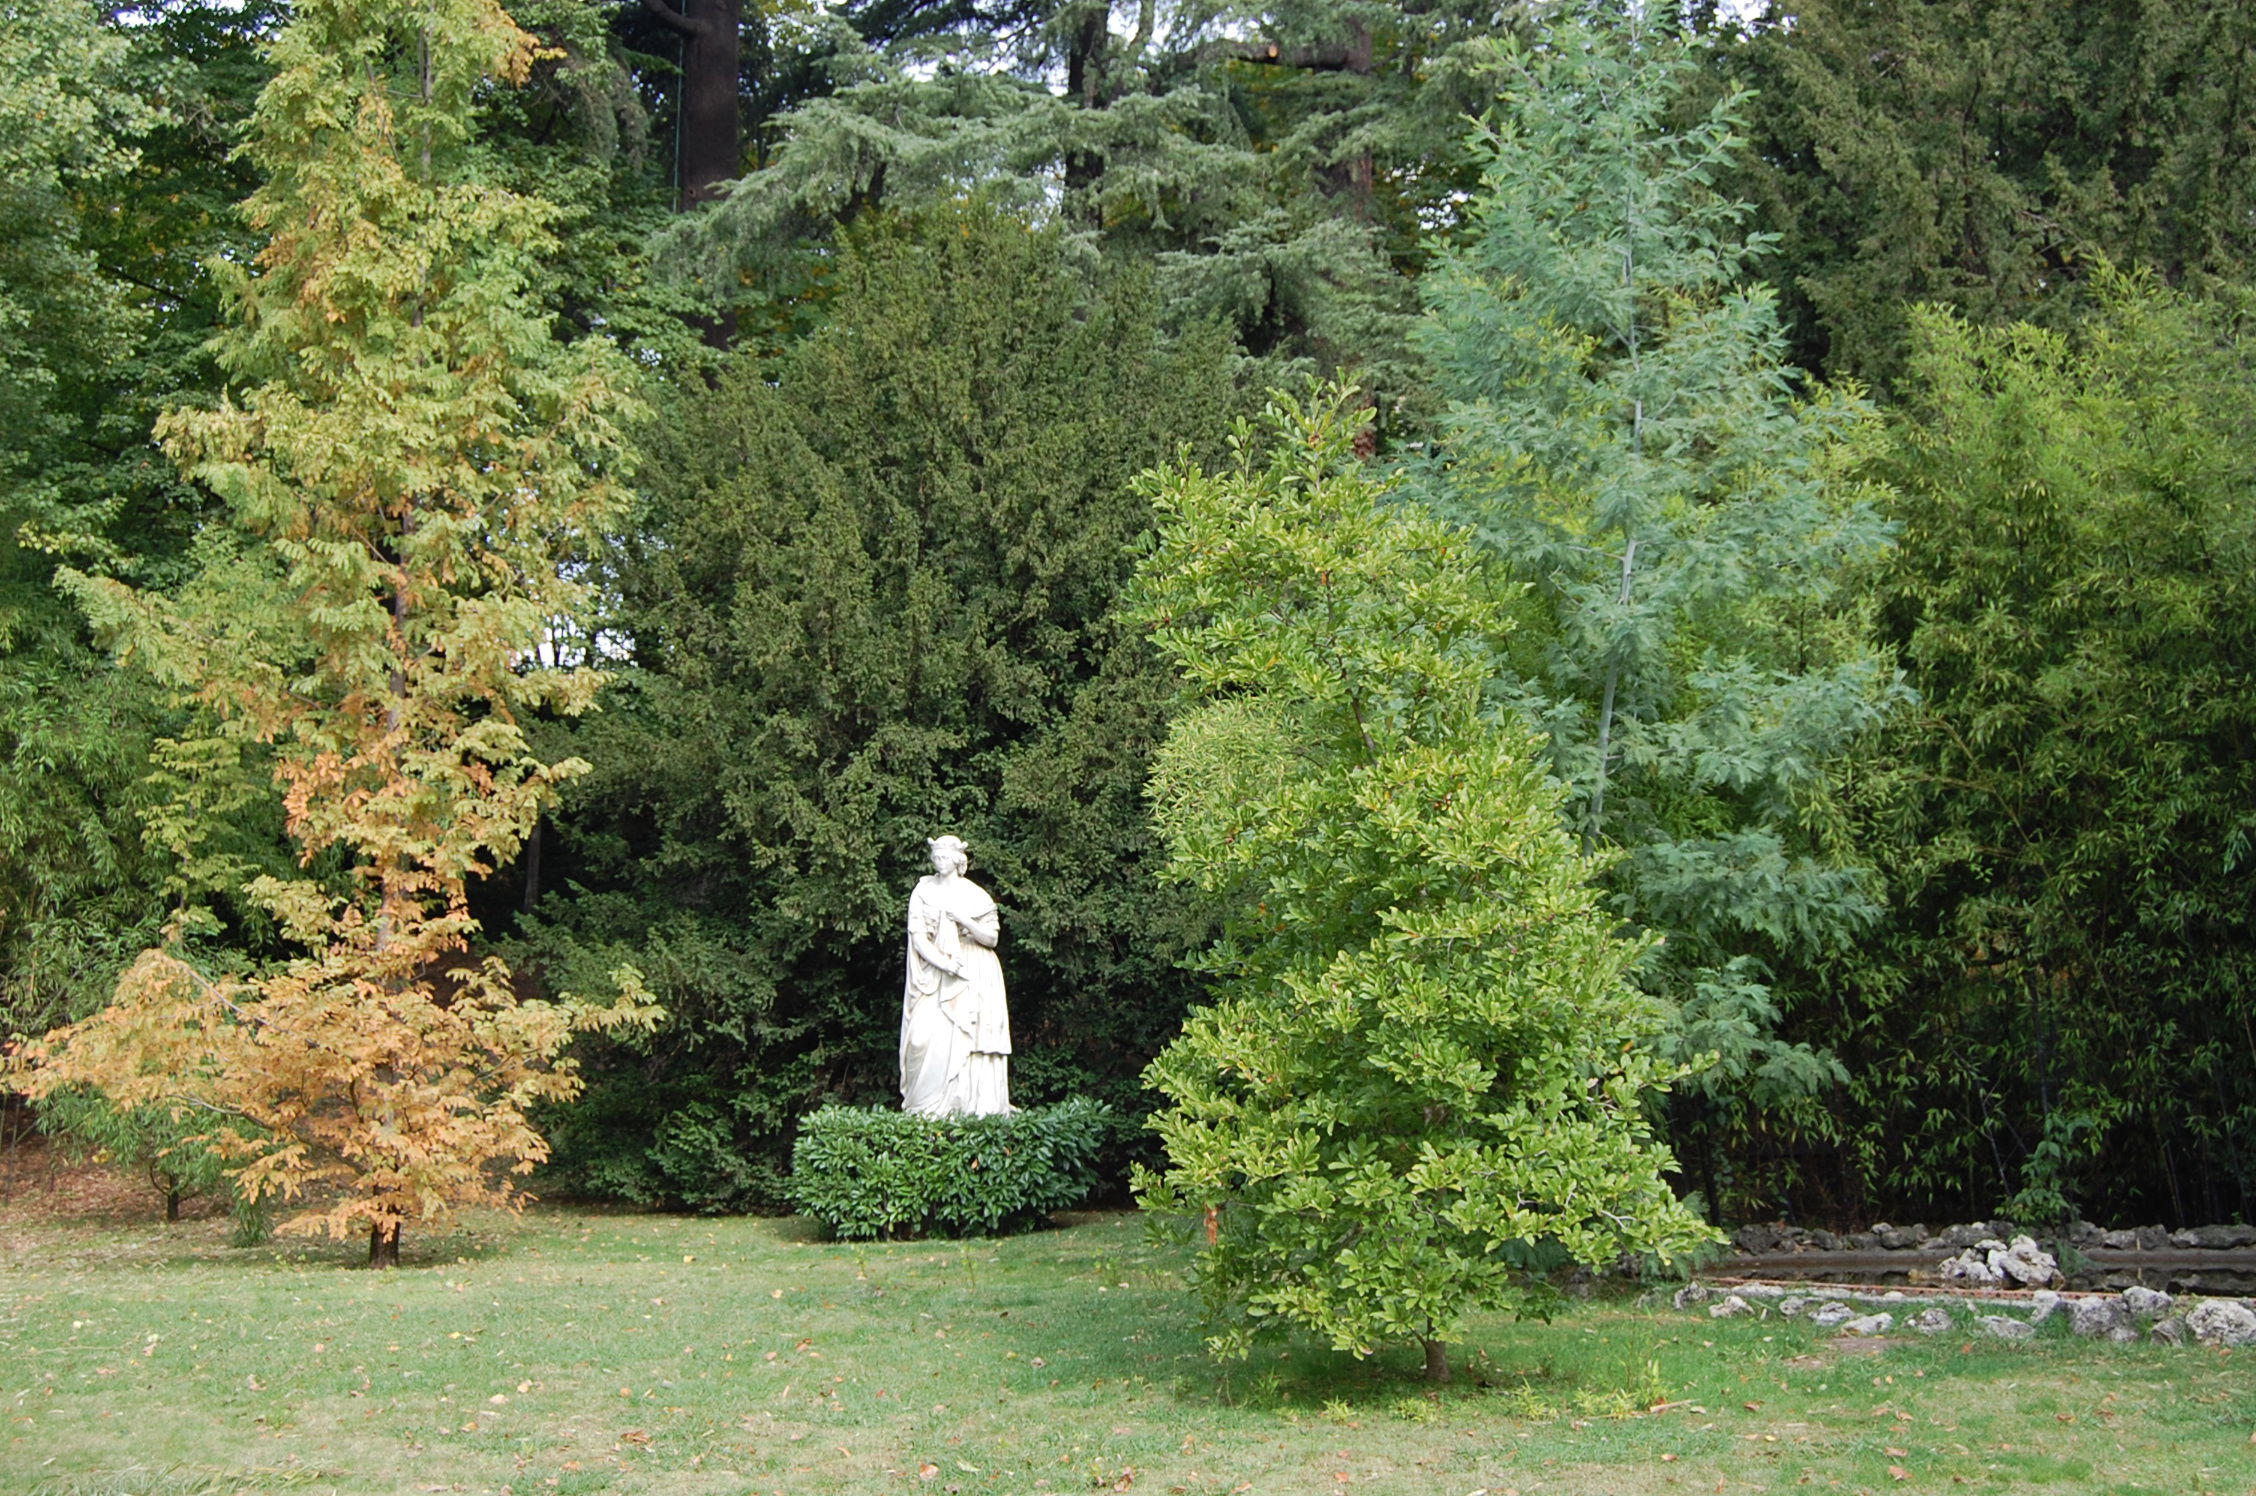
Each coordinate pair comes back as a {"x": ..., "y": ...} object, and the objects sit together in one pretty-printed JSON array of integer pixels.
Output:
[
  {"x": 407, "y": 457},
  {"x": 2061, "y": 1005},
  {"x": 72, "y": 870},
  {"x": 1622, "y": 433},
  {"x": 869, "y": 598},
  {"x": 168, "y": 1150},
  {"x": 1424, "y": 1073},
  {"x": 96, "y": 841}
]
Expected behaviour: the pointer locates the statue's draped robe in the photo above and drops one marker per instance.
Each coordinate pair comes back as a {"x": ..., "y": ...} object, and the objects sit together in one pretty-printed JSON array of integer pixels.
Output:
[{"x": 955, "y": 1030}]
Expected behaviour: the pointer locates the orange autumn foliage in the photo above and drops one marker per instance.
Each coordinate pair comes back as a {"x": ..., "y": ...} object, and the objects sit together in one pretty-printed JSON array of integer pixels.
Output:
[{"x": 409, "y": 462}]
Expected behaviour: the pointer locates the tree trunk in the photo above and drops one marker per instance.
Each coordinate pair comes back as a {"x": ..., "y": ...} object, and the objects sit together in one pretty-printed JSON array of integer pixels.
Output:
[
  {"x": 1437, "y": 1361},
  {"x": 1084, "y": 84},
  {"x": 383, "y": 1245},
  {"x": 172, "y": 1204},
  {"x": 532, "y": 868},
  {"x": 711, "y": 148},
  {"x": 708, "y": 148}
]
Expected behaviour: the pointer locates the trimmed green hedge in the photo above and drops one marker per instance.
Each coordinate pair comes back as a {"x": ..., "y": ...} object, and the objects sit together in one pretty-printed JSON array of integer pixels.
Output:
[{"x": 874, "y": 1172}]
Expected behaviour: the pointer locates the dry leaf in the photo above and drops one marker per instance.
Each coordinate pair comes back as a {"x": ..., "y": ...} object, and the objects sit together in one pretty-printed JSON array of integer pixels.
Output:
[
  {"x": 928, "y": 1471},
  {"x": 1898, "y": 1472},
  {"x": 634, "y": 1436}
]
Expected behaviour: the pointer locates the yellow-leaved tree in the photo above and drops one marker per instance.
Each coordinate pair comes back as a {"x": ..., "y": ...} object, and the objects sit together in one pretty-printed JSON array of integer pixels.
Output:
[{"x": 407, "y": 462}]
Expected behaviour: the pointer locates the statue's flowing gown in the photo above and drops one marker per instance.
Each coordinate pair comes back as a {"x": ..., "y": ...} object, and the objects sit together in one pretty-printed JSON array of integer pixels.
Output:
[{"x": 955, "y": 1031}]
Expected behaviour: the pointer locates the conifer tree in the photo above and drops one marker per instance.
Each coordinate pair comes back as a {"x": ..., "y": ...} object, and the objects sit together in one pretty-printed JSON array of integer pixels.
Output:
[
  {"x": 406, "y": 465},
  {"x": 1622, "y": 432},
  {"x": 1424, "y": 1067}
]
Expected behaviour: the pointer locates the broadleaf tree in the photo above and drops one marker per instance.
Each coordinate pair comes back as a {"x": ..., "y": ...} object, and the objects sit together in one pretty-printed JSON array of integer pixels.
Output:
[
  {"x": 407, "y": 456},
  {"x": 1621, "y": 431},
  {"x": 1424, "y": 1073}
]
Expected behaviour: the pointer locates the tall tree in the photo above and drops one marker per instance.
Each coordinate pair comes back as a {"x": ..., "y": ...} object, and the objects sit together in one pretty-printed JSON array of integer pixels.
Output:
[
  {"x": 1987, "y": 156},
  {"x": 1622, "y": 431},
  {"x": 408, "y": 456},
  {"x": 1279, "y": 165},
  {"x": 869, "y": 599},
  {"x": 77, "y": 888},
  {"x": 1424, "y": 1066},
  {"x": 708, "y": 113},
  {"x": 2067, "y": 816}
]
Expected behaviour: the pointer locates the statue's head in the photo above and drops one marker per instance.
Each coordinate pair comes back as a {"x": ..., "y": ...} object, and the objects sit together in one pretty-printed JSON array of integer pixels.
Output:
[{"x": 949, "y": 854}]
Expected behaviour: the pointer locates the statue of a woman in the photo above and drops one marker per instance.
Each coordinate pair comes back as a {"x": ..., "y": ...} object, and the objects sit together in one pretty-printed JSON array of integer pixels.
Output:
[{"x": 955, "y": 1029}]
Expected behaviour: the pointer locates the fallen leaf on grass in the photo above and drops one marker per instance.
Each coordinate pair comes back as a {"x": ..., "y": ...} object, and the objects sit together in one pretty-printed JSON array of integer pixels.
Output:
[
  {"x": 634, "y": 1436},
  {"x": 1127, "y": 1479},
  {"x": 1898, "y": 1472},
  {"x": 1896, "y": 1454},
  {"x": 928, "y": 1471}
]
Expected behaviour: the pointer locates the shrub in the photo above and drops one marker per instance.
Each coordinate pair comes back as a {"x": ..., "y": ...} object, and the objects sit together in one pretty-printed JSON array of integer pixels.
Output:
[{"x": 873, "y": 1172}]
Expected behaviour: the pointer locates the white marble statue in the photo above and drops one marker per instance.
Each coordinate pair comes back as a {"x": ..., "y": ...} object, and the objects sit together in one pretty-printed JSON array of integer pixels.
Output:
[{"x": 955, "y": 1029}]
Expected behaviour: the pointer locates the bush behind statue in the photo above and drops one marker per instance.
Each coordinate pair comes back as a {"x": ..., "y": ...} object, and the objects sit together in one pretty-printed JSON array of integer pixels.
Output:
[{"x": 870, "y": 1172}]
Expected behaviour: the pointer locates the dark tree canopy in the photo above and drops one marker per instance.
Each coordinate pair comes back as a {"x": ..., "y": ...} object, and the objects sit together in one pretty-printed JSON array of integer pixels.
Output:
[
  {"x": 1986, "y": 156},
  {"x": 869, "y": 600}
]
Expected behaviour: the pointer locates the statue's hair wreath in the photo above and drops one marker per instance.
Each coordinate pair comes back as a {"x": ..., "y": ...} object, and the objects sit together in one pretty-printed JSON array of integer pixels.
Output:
[{"x": 953, "y": 844}]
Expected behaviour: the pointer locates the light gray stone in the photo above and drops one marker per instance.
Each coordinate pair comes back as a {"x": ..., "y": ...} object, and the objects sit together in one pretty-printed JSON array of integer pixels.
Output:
[
  {"x": 2096, "y": 1317},
  {"x": 1825, "y": 1316},
  {"x": 1792, "y": 1304},
  {"x": 1868, "y": 1324},
  {"x": 2146, "y": 1303},
  {"x": 1970, "y": 1267},
  {"x": 2123, "y": 1335},
  {"x": 2005, "y": 1328},
  {"x": 1761, "y": 1291},
  {"x": 1933, "y": 1320},
  {"x": 2171, "y": 1331},
  {"x": 2025, "y": 1263},
  {"x": 1731, "y": 1306},
  {"x": 2119, "y": 1241},
  {"x": 2222, "y": 1322},
  {"x": 2043, "y": 1304},
  {"x": 1690, "y": 1294}
]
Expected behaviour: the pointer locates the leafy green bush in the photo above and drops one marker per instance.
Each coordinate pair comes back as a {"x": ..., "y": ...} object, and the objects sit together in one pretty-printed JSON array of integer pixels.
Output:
[{"x": 874, "y": 1172}]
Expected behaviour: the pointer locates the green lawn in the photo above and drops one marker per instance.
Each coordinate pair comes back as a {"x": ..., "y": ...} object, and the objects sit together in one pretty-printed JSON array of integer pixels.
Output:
[{"x": 575, "y": 1352}]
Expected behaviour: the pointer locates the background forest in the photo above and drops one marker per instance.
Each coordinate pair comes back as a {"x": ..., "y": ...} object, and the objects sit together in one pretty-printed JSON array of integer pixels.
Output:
[{"x": 1854, "y": 400}]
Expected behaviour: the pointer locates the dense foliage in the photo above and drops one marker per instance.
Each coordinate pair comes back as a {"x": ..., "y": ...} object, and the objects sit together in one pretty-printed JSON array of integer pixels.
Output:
[
  {"x": 2061, "y": 1011},
  {"x": 872, "y": 1172},
  {"x": 406, "y": 459},
  {"x": 1941, "y": 841},
  {"x": 1424, "y": 1072},
  {"x": 869, "y": 599},
  {"x": 1622, "y": 432},
  {"x": 1988, "y": 155}
]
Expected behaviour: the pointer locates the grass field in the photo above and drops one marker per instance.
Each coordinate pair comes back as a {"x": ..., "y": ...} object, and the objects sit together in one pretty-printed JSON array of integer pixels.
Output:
[{"x": 572, "y": 1352}]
